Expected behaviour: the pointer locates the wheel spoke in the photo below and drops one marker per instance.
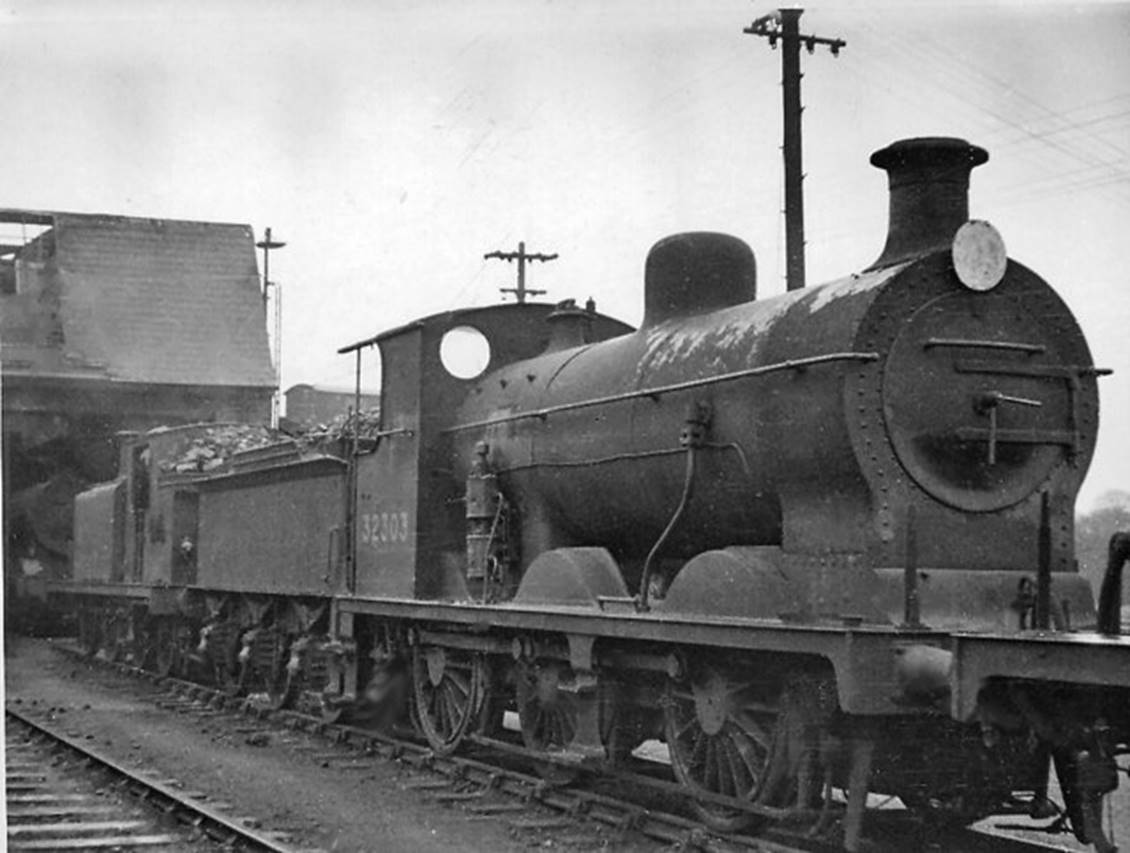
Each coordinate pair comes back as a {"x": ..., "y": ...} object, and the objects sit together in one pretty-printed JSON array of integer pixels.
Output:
[
  {"x": 712, "y": 774},
  {"x": 757, "y": 685},
  {"x": 698, "y": 752},
  {"x": 747, "y": 751},
  {"x": 560, "y": 726},
  {"x": 751, "y": 726},
  {"x": 540, "y": 723},
  {"x": 457, "y": 682},
  {"x": 732, "y": 782},
  {"x": 434, "y": 707},
  {"x": 686, "y": 727},
  {"x": 458, "y": 705},
  {"x": 450, "y": 714}
]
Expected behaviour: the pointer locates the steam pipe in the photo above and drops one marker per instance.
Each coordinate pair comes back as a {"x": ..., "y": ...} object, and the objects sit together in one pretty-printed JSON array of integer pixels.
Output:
[{"x": 645, "y": 576}]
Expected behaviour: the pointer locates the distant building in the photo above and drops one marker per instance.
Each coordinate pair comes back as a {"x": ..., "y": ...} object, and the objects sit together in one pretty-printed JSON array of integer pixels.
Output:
[
  {"x": 112, "y": 323},
  {"x": 311, "y": 405}
]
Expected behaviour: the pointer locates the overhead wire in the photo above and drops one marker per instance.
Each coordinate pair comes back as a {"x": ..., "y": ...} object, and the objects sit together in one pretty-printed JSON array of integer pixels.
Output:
[
  {"x": 880, "y": 61},
  {"x": 980, "y": 78}
]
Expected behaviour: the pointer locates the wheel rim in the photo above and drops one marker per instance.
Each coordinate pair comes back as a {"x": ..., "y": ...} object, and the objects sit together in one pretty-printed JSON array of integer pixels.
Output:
[
  {"x": 720, "y": 735},
  {"x": 447, "y": 685}
]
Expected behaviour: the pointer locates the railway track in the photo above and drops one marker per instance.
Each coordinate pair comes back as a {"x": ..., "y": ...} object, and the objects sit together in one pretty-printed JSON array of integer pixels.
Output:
[
  {"x": 488, "y": 782},
  {"x": 63, "y": 795},
  {"x": 492, "y": 780}
]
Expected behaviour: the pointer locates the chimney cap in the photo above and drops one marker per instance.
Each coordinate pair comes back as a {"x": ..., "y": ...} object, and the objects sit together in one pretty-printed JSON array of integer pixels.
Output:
[{"x": 931, "y": 151}]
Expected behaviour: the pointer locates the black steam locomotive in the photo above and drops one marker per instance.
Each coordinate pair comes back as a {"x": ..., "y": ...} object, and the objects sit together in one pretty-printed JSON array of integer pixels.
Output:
[{"x": 821, "y": 539}]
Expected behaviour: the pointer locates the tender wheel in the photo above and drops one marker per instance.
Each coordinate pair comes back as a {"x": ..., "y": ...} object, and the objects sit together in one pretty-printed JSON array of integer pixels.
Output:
[
  {"x": 448, "y": 692},
  {"x": 327, "y": 677},
  {"x": 263, "y": 667},
  {"x": 387, "y": 699},
  {"x": 217, "y": 661},
  {"x": 284, "y": 677},
  {"x": 168, "y": 649},
  {"x": 115, "y": 638},
  {"x": 89, "y": 632},
  {"x": 720, "y": 734}
]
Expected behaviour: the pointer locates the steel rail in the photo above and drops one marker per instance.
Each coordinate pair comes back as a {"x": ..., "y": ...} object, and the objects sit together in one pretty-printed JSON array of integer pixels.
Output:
[{"x": 217, "y": 826}]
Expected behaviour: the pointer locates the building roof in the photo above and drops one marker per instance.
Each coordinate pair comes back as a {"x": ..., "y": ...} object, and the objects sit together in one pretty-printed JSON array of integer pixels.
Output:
[{"x": 139, "y": 300}]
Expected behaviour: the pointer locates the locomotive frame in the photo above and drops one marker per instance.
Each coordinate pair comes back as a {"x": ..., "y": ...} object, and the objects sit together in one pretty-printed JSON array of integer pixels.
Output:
[{"x": 822, "y": 539}]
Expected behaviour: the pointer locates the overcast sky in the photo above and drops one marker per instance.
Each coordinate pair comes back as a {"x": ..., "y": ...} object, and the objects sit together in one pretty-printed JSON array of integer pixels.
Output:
[{"x": 392, "y": 144}]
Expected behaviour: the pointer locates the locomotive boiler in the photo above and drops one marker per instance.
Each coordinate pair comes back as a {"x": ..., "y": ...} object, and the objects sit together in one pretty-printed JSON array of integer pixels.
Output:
[
  {"x": 825, "y": 427},
  {"x": 817, "y": 540}
]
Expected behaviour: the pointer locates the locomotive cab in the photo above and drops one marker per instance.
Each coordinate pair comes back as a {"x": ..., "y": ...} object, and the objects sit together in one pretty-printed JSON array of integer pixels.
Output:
[{"x": 409, "y": 523}]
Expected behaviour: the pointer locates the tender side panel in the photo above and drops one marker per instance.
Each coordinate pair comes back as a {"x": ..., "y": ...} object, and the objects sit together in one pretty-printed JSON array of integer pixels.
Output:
[
  {"x": 277, "y": 530},
  {"x": 99, "y": 553}
]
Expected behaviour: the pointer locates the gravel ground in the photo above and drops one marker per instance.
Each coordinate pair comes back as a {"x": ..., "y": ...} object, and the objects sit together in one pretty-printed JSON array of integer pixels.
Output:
[{"x": 327, "y": 808}]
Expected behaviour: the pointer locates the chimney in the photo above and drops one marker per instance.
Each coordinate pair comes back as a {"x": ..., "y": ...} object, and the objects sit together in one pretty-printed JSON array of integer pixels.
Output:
[
  {"x": 697, "y": 272},
  {"x": 929, "y": 187}
]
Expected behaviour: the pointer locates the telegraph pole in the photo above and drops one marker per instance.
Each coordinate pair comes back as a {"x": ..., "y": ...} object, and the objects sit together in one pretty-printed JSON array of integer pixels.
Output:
[
  {"x": 521, "y": 256},
  {"x": 784, "y": 25},
  {"x": 266, "y": 244}
]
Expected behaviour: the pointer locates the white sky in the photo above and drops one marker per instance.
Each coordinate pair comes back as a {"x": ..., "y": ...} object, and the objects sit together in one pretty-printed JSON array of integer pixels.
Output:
[{"x": 392, "y": 144}]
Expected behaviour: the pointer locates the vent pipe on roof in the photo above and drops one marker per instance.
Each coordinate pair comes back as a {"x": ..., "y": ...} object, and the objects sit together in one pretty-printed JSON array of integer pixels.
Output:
[{"x": 569, "y": 326}]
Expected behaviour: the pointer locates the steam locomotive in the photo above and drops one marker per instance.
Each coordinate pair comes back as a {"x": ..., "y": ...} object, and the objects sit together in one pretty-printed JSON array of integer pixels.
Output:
[{"x": 817, "y": 540}]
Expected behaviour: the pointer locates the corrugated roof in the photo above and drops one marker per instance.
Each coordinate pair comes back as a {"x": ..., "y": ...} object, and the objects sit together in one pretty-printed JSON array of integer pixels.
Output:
[{"x": 161, "y": 301}]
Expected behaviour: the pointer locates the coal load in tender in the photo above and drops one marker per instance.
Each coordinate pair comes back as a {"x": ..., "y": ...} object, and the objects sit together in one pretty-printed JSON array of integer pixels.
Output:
[
  {"x": 212, "y": 449},
  {"x": 368, "y": 425}
]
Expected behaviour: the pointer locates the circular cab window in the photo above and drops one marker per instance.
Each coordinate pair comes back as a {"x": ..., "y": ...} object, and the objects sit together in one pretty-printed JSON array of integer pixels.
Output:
[{"x": 465, "y": 352}]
